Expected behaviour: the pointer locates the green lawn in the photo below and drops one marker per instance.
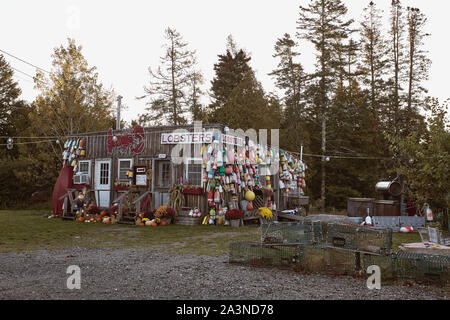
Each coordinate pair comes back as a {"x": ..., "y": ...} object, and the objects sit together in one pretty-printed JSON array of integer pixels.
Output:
[{"x": 29, "y": 230}]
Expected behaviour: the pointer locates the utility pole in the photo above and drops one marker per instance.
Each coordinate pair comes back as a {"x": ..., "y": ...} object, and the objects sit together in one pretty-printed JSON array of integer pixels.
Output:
[{"x": 119, "y": 102}]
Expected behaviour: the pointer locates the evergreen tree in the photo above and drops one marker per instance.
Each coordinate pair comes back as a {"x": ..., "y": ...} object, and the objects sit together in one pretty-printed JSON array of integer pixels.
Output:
[
  {"x": 373, "y": 56},
  {"x": 169, "y": 101},
  {"x": 11, "y": 106},
  {"x": 291, "y": 79},
  {"x": 248, "y": 107},
  {"x": 195, "y": 94},
  {"x": 229, "y": 72},
  {"x": 323, "y": 23},
  {"x": 418, "y": 62},
  {"x": 289, "y": 76},
  {"x": 397, "y": 65}
]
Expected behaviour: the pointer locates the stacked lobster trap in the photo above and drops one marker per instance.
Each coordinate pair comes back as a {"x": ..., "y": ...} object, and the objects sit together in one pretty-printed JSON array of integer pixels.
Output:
[{"x": 345, "y": 250}]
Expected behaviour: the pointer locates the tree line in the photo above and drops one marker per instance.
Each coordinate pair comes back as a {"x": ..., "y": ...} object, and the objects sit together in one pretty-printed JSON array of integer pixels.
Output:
[{"x": 363, "y": 113}]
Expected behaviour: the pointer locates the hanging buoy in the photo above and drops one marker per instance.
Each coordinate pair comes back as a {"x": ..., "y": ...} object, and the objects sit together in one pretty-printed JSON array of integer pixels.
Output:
[
  {"x": 428, "y": 212},
  {"x": 249, "y": 195}
]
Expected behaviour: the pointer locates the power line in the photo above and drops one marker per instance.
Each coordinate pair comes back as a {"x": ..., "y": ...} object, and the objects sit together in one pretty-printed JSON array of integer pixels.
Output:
[
  {"x": 23, "y": 72},
  {"x": 30, "y": 142},
  {"x": 9, "y": 54}
]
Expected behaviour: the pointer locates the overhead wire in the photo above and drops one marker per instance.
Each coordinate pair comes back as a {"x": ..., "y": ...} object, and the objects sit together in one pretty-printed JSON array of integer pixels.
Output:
[{"x": 15, "y": 57}]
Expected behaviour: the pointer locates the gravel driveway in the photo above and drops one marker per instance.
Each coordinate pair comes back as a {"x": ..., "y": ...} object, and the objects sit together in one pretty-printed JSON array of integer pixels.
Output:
[{"x": 149, "y": 274}]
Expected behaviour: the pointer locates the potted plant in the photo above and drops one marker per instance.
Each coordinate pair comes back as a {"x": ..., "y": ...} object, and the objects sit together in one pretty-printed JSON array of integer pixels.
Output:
[
  {"x": 165, "y": 213},
  {"x": 234, "y": 216}
]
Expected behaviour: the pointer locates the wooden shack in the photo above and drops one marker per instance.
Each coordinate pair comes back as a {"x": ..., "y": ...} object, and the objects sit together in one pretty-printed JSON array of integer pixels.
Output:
[{"x": 137, "y": 167}]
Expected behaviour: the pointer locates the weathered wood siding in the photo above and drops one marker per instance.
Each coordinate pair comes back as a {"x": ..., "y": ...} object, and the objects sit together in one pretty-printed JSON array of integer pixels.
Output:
[{"x": 97, "y": 149}]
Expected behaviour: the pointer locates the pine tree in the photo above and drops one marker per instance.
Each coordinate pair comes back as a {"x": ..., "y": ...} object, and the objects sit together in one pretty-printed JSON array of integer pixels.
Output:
[
  {"x": 229, "y": 72},
  {"x": 289, "y": 76},
  {"x": 169, "y": 101},
  {"x": 248, "y": 107},
  {"x": 374, "y": 57},
  {"x": 418, "y": 62},
  {"x": 10, "y": 103},
  {"x": 322, "y": 22},
  {"x": 195, "y": 94},
  {"x": 397, "y": 64}
]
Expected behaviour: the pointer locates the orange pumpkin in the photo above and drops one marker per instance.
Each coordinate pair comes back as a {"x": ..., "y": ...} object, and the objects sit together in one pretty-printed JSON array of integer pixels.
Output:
[
  {"x": 103, "y": 213},
  {"x": 154, "y": 224},
  {"x": 80, "y": 219},
  {"x": 163, "y": 223},
  {"x": 141, "y": 224},
  {"x": 99, "y": 219}
]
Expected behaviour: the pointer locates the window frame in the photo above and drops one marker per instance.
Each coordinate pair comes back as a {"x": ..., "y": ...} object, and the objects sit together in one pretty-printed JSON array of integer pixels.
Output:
[
  {"x": 89, "y": 162},
  {"x": 160, "y": 176},
  {"x": 197, "y": 161},
  {"x": 118, "y": 167}
]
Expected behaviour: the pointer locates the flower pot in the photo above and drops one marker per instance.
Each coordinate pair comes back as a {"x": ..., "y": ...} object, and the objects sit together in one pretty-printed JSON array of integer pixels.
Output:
[{"x": 235, "y": 223}]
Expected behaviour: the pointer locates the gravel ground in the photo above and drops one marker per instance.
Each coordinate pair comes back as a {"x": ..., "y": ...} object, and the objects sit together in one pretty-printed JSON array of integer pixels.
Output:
[{"x": 149, "y": 274}]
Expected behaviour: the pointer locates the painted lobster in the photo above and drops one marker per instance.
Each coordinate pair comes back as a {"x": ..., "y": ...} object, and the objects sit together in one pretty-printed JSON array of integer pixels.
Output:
[{"x": 129, "y": 141}]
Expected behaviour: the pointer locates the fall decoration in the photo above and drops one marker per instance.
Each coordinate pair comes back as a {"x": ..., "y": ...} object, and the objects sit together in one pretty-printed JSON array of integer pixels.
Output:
[
  {"x": 265, "y": 213},
  {"x": 234, "y": 214}
]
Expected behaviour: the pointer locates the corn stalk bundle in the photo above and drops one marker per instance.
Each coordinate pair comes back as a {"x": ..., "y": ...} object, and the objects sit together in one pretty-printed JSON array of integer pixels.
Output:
[{"x": 176, "y": 197}]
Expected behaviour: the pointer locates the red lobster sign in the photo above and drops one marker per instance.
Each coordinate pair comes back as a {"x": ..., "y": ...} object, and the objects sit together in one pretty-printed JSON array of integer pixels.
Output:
[{"x": 130, "y": 141}]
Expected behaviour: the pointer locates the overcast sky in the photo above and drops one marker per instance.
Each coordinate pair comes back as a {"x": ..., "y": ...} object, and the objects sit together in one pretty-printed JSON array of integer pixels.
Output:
[{"x": 123, "y": 38}]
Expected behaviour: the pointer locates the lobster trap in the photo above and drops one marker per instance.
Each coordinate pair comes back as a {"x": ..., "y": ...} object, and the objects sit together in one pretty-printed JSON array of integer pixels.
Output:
[
  {"x": 359, "y": 238},
  {"x": 264, "y": 255},
  {"x": 422, "y": 267},
  {"x": 329, "y": 260},
  {"x": 386, "y": 264},
  {"x": 302, "y": 232}
]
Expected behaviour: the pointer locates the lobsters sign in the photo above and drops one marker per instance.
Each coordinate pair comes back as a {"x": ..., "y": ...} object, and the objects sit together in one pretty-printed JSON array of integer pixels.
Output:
[{"x": 130, "y": 141}]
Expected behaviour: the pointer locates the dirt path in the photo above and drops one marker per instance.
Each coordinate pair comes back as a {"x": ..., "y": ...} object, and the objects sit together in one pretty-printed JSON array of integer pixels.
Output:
[{"x": 151, "y": 274}]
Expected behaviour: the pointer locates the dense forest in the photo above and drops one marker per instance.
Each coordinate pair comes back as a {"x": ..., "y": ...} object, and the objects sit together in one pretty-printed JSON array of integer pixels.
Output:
[{"x": 363, "y": 114}]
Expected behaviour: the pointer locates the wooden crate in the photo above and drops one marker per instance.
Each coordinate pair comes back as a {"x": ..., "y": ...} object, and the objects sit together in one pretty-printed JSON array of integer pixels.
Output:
[{"x": 188, "y": 221}]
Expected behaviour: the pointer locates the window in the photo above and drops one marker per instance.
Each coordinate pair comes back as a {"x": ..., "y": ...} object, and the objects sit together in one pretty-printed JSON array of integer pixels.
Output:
[
  {"x": 164, "y": 174},
  {"x": 84, "y": 167},
  {"x": 194, "y": 171},
  {"x": 104, "y": 173},
  {"x": 123, "y": 166}
]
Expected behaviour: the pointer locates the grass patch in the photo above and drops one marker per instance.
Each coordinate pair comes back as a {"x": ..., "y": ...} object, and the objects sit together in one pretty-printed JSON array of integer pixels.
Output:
[
  {"x": 26, "y": 230},
  {"x": 399, "y": 238}
]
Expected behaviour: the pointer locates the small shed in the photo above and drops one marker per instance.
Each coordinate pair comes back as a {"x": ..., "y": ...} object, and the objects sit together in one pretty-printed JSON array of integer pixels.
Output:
[{"x": 138, "y": 166}]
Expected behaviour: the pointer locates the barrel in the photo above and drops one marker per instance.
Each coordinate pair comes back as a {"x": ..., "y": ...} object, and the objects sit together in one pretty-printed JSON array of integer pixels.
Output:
[{"x": 393, "y": 188}]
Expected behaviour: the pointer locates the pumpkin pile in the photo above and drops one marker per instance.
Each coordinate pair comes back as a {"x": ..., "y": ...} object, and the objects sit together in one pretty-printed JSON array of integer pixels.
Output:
[
  {"x": 159, "y": 218},
  {"x": 94, "y": 214}
]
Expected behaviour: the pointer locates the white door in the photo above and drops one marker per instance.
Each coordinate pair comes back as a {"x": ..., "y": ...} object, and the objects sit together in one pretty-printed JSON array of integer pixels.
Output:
[{"x": 103, "y": 182}]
